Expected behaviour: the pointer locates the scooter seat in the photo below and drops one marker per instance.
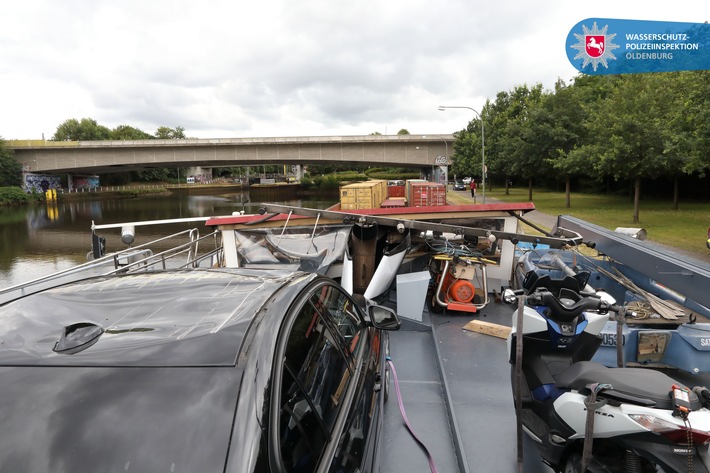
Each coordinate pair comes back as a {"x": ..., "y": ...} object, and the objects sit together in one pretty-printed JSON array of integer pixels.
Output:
[{"x": 634, "y": 385}]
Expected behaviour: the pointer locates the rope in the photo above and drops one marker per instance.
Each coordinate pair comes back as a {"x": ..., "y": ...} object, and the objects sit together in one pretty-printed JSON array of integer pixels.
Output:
[{"x": 638, "y": 310}]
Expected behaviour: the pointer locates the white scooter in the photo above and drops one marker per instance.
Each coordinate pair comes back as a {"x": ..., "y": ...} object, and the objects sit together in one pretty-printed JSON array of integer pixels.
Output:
[{"x": 584, "y": 416}]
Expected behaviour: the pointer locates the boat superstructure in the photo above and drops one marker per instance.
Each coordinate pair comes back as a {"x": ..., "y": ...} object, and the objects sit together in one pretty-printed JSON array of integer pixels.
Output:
[{"x": 451, "y": 377}]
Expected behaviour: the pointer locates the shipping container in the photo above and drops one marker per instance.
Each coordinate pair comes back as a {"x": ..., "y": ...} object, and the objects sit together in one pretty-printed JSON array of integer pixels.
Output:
[
  {"x": 394, "y": 202},
  {"x": 396, "y": 191},
  {"x": 408, "y": 188},
  {"x": 363, "y": 195},
  {"x": 426, "y": 194}
]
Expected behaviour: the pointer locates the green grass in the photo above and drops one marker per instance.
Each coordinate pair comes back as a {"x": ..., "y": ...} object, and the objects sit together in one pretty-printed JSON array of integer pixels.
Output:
[{"x": 685, "y": 228}]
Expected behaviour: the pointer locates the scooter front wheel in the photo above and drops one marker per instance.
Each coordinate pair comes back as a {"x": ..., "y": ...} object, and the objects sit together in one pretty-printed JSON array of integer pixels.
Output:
[{"x": 573, "y": 464}]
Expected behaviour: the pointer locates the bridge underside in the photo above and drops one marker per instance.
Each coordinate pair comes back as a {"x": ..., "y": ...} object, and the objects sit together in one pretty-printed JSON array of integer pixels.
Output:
[{"x": 102, "y": 157}]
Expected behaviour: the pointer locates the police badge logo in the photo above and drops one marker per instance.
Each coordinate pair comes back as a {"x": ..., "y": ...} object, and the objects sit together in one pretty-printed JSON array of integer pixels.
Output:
[{"x": 595, "y": 46}]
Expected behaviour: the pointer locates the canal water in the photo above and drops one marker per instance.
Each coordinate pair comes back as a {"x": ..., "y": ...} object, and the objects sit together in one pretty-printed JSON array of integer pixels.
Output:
[{"x": 41, "y": 239}]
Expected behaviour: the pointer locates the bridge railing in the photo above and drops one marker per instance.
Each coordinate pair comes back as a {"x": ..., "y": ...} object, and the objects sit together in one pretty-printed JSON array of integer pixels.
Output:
[{"x": 125, "y": 188}]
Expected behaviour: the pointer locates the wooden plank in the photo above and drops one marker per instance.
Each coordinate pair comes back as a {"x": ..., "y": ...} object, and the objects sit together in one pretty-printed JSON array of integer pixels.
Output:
[{"x": 487, "y": 328}]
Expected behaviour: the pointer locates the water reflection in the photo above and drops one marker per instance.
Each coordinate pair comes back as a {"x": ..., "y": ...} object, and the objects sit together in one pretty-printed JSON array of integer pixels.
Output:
[{"x": 41, "y": 239}]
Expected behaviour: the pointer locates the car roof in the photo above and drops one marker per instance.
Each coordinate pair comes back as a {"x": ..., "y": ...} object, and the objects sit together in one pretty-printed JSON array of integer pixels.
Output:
[{"x": 171, "y": 318}]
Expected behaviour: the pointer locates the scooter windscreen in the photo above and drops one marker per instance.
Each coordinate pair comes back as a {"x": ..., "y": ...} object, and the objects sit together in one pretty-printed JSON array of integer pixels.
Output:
[{"x": 534, "y": 281}]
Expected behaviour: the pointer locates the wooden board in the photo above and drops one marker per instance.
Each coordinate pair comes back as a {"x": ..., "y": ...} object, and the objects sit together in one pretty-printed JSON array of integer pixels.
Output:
[{"x": 487, "y": 328}]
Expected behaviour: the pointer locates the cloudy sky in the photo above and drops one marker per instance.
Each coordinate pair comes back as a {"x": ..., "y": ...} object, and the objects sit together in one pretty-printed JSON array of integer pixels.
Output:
[{"x": 231, "y": 68}]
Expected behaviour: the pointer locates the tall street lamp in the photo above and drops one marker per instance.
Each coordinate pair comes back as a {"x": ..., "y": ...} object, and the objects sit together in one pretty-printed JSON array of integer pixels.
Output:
[{"x": 483, "y": 145}]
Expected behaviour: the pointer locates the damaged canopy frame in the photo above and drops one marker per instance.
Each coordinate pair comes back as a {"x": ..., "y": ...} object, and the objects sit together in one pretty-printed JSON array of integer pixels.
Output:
[
  {"x": 563, "y": 237},
  {"x": 303, "y": 248}
]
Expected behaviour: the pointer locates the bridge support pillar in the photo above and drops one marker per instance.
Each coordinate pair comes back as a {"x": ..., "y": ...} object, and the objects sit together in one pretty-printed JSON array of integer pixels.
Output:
[
  {"x": 200, "y": 174},
  {"x": 298, "y": 171}
]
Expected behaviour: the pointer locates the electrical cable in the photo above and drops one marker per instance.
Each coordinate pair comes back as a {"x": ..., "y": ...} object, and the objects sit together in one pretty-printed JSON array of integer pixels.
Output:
[
  {"x": 446, "y": 247},
  {"x": 430, "y": 458}
]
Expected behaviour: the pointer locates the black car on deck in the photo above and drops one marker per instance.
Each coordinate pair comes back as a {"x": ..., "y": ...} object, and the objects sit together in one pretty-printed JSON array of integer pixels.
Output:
[
  {"x": 204, "y": 370},
  {"x": 459, "y": 185}
]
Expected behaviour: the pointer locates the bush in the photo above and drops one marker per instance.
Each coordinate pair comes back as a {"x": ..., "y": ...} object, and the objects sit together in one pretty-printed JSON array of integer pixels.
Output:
[
  {"x": 331, "y": 181},
  {"x": 394, "y": 176},
  {"x": 16, "y": 196}
]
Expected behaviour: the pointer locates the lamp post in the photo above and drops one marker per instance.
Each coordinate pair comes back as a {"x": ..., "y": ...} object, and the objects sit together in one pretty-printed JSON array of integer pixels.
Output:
[
  {"x": 483, "y": 145},
  {"x": 446, "y": 167}
]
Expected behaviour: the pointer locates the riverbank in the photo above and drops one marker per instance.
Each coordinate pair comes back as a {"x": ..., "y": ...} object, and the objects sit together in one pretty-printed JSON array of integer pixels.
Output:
[
  {"x": 11, "y": 196},
  {"x": 14, "y": 196},
  {"x": 117, "y": 194}
]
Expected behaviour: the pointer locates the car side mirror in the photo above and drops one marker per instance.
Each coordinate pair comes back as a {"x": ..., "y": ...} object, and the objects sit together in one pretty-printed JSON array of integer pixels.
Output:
[{"x": 383, "y": 318}]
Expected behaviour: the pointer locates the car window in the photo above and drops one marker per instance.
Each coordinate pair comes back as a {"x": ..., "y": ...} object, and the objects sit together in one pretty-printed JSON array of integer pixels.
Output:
[
  {"x": 342, "y": 312},
  {"x": 317, "y": 370}
]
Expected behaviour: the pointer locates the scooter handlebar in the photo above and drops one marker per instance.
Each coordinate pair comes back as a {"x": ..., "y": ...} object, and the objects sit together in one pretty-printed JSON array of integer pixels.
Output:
[{"x": 566, "y": 312}]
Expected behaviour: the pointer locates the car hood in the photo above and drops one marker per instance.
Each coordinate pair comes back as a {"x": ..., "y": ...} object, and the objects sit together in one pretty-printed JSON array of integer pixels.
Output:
[
  {"x": 116, "y": 419},
  {"x": 178, "y": 318}
]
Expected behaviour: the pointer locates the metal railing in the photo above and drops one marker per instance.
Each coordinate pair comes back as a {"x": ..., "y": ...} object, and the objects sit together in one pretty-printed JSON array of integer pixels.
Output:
[{"x": 130, "y": 260}]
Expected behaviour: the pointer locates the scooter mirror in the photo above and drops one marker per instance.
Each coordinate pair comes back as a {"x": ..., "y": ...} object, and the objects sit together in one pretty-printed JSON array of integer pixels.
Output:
[
  {"x": 606, "y": 297},
  {"x": 509, "y": 296}
]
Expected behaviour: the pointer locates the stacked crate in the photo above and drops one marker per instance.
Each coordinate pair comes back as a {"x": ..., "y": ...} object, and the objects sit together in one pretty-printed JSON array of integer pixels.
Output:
[{"x": 363, "y": 195}]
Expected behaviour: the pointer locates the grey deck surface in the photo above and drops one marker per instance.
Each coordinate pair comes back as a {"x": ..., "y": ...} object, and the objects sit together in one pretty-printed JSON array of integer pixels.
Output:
[{"x": 476, "y": 381}]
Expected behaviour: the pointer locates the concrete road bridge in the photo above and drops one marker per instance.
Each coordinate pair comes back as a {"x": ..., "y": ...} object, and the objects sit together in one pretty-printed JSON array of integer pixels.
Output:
[{"x": 100, "y": 157}]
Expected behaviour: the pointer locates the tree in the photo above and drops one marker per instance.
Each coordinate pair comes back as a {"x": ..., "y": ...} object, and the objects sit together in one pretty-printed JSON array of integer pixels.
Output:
[
  {"x": 403, "y": 131},
  {"x": 630, "y": 130},
  {"x": 466, "y": 156},
  {"x": 516, "y": 150},
  {"x": 152, "y": 174},
  {"x": 10, "y": 169},
  {"x": 679, "y": 131},
  {"x": 85, "y": 130},
  {"x": 688, "y": 140},
  {"x": 166, "y": 133},
  {"x": 125, "y": 132},
  {"x": 568, "y": 110}
]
